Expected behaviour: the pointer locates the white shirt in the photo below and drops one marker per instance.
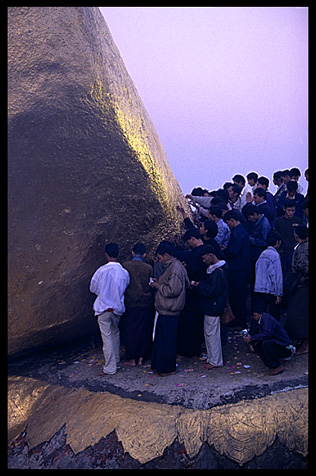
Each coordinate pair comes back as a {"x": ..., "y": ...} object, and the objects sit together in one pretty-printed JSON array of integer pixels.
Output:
[{"x": 109, "y": 283}]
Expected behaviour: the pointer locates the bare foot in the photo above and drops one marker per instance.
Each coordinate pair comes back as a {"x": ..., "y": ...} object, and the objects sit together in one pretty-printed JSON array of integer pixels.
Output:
[
  {"x": 131, "y": 363},
  {"x": 276, "y": 371},
  {"x": 209, "y": 366},
  {"x": 140, "y": 361},
  {"x": 303, "y": 348},
  {"x": 165, "y": 374}
]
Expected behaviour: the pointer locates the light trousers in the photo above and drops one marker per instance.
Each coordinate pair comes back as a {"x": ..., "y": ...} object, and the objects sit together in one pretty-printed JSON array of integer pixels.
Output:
[
  {"x": 108, "y": 324},
  {"x": 212, "y": 336}
]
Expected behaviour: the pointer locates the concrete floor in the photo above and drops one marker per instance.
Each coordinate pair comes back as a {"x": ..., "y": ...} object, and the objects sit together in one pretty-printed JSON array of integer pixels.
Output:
[{"x": 243, "y": 376}]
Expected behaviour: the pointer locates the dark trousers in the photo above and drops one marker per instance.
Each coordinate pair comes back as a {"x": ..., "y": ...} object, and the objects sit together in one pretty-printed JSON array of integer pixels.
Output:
[
  {"x": 164, "y": 352},
  {"x": 136, "y": 330},
  {"x": 190, "y": 330},
  {"x": 237, "y": 285},
  {"x": 267, "y": 301},
  {"x": 270, "y": 353}
]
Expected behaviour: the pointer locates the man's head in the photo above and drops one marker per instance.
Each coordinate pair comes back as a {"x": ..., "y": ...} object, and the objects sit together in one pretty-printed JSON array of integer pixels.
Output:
[
  {"x": 164, "y": 252},
  {"x": 256, "y": 315},
  {"x": 209, "y": 255},
  {"x": 111, "y": 251},
  {"x": 258, "y": 310},
  {"x": 192, "y": 237},
  {"x": 263, "y": 182},
  {"x": 296, "y": 173},
  {"x": 259, "y": 195},
  {"x": 232, "y": 218},
  {"x": 233, "y": 192},
  {"x": 252, "y": 178},
  {"x": 251, "y": 213},
  {"x": 289, "y": 208},
  {"x": 215, "y": 213},
  {"x": 301, "y": 233},
  {"x": 139, "y": 249},
  {"x": 286, "y": 176},
  {"x": 274, "y": 239},
  {"x": 239, "y": 180},
  {"x": 291, "y": 188},
  {"x": 208, "y": 229},
  {"x": 305, "y": 208},
  {"x": 277, "y": 178}
]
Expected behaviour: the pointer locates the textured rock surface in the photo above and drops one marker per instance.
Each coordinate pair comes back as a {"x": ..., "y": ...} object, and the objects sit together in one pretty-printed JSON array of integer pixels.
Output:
[{"x": 85, "y": 167}]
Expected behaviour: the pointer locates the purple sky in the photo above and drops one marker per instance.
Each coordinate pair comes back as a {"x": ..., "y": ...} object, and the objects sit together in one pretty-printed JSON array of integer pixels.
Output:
[{"x": 226, "y": 87}]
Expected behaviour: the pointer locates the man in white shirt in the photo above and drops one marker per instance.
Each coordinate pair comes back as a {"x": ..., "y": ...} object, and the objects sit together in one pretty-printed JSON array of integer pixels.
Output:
[{"x": 109, "y": 283}]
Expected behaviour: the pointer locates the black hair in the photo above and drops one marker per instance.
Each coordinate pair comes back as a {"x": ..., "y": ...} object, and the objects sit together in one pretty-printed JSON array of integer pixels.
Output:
[
  {"x": 139, "y": 249},
  {"x": 164, "y": 247},
  {"x": 295, "y": 171},
  {"x": 272, "y": 237},
  {"x": 301, "y": 231},
  {"x": 192, "y": 232},
  {"x": 239, "y": 178},
  {"x": 221, "y": 195},
  {"x": 260, "y": 192},
  {"x": 250, "y": 209},
  {"x": 232, "y": 214},
  {"x": 292, "y": 186},
  {"x": 207, "y": 249},
  {"x": 252, "y": 175},
  {"x": 236, "y": 188},
  {"x": 277, "y": 175},
  {"x": 263, "y": 181},
  {"x": 211, "y": 228},
  {"x": 112, "y": 250},
  {"x": 288, "y": 203},
  {"x": 216, "y": 210}
]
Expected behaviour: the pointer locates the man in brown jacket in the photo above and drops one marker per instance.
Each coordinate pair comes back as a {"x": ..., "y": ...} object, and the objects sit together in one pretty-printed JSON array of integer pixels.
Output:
[
  {"x": 169, "y": 301},
  {"x": 137, "y": 321}
]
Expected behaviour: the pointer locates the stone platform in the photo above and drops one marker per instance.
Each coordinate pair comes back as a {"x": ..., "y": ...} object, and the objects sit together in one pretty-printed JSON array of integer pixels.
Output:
[{"x": 65, "y": 413}]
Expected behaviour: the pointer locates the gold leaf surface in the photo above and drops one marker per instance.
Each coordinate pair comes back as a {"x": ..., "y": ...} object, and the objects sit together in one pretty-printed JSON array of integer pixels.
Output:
[{"x": 239, "y": 431}]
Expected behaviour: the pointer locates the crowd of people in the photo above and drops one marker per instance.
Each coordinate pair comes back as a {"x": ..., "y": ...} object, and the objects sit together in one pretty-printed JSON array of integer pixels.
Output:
[{"x": 242, "y": 263}]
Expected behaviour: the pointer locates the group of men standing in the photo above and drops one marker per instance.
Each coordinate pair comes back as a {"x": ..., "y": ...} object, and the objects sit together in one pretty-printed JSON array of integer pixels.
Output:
[{"x": 156, "y": 329}]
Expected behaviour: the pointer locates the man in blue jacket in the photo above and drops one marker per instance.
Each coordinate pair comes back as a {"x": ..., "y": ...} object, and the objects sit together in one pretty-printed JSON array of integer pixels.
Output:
[
  {"x": 237, "y": 254},
  {"x": 270, "y": 341},
  {"x": 258, "y": 239}
]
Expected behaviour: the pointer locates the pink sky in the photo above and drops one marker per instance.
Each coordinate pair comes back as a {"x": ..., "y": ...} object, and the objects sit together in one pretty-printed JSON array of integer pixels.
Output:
[{"x": 226, "y": 87}]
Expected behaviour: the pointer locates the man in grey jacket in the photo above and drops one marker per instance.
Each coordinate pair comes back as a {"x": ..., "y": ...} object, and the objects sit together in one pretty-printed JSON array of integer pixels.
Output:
[{"x": 169, "y": 301}]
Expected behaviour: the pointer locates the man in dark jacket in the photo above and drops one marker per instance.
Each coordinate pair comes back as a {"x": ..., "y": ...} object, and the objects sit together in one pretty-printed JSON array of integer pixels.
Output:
[
  {"x": 190, "y": 332},
  {"x": 213, "y": 293},
  {"x": 237, "y": 255},
  {"x": 270, "y": 341}
]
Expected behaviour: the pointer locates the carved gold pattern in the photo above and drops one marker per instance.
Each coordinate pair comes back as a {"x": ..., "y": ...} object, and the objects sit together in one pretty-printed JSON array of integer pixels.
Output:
[{"x": 239, "y": 431}]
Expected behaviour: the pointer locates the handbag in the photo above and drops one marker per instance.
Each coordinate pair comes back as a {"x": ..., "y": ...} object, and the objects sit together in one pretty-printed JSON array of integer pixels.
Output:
[{"x": 227, "y": 315}]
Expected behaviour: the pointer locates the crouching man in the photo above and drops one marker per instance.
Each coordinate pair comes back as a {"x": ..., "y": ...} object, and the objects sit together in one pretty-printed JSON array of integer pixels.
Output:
[{"x": 270, "y": 341}]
